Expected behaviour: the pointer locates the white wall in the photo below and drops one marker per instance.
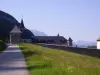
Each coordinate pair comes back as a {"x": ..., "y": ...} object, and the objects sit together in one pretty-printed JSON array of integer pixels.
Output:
[{"x": 98, "y": 44}]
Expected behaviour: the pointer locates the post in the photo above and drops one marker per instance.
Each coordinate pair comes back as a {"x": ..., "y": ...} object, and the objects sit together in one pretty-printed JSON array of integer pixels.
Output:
[{"x": 10, "y": 38}]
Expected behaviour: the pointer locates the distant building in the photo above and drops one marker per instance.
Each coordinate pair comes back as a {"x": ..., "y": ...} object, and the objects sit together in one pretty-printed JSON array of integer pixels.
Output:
[
  {"x": 70, "y": 42},
  {"x": 98, "y": 43},
  {"x": 11, "y": 31},
  {"x": 21, "y": 34},
  {"x": 26, "y": 34},
  {"x": 50, "y": 39}
]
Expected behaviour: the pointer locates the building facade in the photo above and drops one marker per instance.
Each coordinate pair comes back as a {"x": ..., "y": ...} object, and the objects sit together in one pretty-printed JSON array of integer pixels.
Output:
[
  {"x": 98, "y": 43},
  {"x": 15, "y": 35}
]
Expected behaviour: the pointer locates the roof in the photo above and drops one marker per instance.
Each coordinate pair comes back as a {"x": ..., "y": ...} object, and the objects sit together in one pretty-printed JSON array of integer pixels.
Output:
[
  {"x": 98, "y": 39},
  {"x": 50, "y": 38},
  {"x": 70, "y": 39},
  {"x": 15, "y": 30}
]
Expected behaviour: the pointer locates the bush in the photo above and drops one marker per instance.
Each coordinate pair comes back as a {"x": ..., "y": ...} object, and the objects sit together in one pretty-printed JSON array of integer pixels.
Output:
[{"x": 2, "y": 45}]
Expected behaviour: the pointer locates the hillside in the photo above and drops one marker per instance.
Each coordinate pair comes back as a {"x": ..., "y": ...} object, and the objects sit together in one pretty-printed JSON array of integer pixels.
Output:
[
  {"x": 7, "y": 23},
  {"x": 38, "y": 33},
  {"x": 46, "y": 61}
]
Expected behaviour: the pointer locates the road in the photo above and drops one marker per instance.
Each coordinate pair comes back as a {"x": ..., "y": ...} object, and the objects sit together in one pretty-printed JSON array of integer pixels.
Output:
[{"x": 12, "y": 62}]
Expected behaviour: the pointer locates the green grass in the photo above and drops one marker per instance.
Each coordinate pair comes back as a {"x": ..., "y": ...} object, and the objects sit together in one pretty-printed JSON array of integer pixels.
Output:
[{"x": 46, "y": 61}]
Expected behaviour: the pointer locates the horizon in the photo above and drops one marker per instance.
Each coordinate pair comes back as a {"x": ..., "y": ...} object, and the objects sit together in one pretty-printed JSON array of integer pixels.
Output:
[{"x": 76, "y": 19}]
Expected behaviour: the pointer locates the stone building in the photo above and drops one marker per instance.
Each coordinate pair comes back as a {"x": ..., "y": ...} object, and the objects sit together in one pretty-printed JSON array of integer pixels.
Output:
[
  {"x": 21, "y": 34},
  {"x": 52, "y": 40},
  {"x": 15, "y": 35}
]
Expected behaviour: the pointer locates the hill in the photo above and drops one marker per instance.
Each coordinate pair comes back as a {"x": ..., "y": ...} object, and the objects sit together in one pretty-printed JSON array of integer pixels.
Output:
[
  {"x": 84, "y": 44},
  {"x": 46, "y": 61},
  {"x": 7, "y": 22},
  {"x": 38, "y": 33}
]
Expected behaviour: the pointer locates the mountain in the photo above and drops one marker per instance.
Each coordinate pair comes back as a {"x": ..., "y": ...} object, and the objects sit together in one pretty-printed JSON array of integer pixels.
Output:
[
  {"x": 38, "y": 33},
  {"x": 82, "y": 43},
  {"x": 7, "y": 22}
]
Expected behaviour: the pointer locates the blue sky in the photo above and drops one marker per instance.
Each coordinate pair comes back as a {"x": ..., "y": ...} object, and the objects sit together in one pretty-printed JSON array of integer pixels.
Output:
[{"x": 79, "y": 19}]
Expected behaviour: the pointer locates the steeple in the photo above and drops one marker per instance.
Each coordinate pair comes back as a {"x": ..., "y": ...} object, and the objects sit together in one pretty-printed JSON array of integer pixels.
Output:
[
  {"x": 58, "y": 34},
  {"x": 70, "y": 39},
  {"x": 70, "y": 42},
  {"x": 22, "y": 24}
]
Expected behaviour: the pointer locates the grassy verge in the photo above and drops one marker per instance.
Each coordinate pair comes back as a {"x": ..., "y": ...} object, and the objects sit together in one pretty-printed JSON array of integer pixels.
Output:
[
  {"x": 2, "y": 46},
  {"x": 46, "y": 61}
]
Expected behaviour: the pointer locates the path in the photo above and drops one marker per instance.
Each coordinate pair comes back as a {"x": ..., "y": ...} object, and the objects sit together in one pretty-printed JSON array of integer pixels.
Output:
[{"x": 12, "y": 62}]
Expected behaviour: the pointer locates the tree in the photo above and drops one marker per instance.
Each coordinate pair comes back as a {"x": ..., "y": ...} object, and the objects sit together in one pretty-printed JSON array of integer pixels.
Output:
[{"x": 92, "y": 47}]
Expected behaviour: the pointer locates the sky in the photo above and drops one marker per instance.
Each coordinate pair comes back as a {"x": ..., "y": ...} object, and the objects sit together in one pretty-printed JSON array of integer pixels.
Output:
[{"x": 78, "y": 19}]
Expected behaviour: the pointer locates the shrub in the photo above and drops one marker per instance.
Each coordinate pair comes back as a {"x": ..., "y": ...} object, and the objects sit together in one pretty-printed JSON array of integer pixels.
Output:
[{"x": 2, "y": 45}]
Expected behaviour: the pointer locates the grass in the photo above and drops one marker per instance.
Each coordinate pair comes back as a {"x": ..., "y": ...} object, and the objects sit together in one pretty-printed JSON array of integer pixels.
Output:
[{"x": 46, "y": 61}]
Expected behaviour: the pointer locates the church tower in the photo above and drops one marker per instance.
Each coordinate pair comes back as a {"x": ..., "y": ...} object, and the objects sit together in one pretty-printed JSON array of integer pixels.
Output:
[
  {"x": 70, "y": 42},
  {"x": 58, "y": 34},
  {"x": 22, "y": 27},
  {"x": 58, "y": 39}
]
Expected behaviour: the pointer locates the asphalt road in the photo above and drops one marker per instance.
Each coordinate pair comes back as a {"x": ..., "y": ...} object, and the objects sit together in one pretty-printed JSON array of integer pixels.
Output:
[{"x": 12, "y": 62}]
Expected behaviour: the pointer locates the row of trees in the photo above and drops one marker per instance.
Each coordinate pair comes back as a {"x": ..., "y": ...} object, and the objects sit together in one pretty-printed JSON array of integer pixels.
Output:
[{"x": 92, "y": 46}]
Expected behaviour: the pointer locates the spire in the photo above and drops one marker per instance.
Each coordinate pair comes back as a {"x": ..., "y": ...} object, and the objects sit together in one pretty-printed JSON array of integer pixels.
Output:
[
  {"x": 22, "y": 24},
  {"x": 58, "y": 34},
  {"x": 70, "y": 39}
]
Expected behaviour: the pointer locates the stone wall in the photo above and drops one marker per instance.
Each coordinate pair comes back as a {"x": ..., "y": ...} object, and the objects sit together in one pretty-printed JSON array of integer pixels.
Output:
[{"x": 85, "y": 51}]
